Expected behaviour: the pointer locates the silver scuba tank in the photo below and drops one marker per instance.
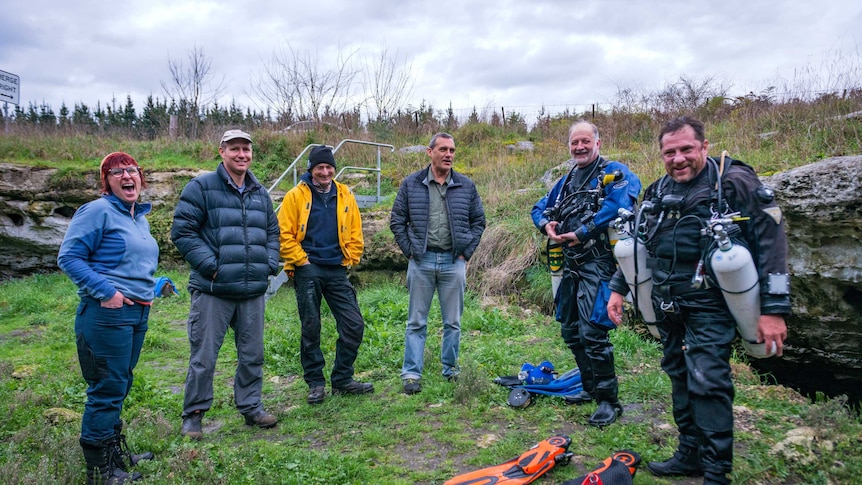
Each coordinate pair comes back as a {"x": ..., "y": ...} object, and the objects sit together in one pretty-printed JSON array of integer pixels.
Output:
[
  {"x": 737, "y": 278},
  {"x": 624, "y": 251}
]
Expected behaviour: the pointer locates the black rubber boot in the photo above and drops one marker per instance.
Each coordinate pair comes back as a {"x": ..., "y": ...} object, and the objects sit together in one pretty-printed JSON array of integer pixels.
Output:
[
  {"x": 607, "y": 413},
  {"x": 715, "y": 479},
  {"x": 582, "y": 397},
  {"x": 685, "y": 462},
  {"x": 104, "y": 466},
  {"x": 125, "y": 453}
]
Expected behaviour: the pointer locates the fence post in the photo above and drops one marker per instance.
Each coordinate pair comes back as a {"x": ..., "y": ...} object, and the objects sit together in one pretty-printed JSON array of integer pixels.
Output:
[{"x": 172, "y": 127}]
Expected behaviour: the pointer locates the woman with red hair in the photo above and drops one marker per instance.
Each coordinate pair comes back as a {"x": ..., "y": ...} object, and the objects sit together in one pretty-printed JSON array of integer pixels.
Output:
[{"x": 110, "y": 254}]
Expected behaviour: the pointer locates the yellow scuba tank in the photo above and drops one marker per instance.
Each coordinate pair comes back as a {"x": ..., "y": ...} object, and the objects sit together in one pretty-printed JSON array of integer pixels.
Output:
[{"x": 556, "y": 259}]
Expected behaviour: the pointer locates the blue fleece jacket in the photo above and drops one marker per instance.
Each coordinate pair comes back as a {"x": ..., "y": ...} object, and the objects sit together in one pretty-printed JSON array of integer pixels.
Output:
[{"x": 105, "y": 250}]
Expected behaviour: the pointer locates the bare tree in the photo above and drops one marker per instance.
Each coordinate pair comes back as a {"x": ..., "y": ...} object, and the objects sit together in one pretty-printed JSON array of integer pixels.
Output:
[
  {"x": 192, "y": 85},
  {"x": 688, "y": 94},
  {"x": 295, "y": 84},
  {"x": 387, "y": 82}
]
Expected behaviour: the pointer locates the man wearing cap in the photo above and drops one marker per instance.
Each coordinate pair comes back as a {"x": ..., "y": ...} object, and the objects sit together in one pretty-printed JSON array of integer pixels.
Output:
[
  {"x": 226, "y": 229},
  {"x": 321, "y": 237},
  {"x": 437, "y": 220}
]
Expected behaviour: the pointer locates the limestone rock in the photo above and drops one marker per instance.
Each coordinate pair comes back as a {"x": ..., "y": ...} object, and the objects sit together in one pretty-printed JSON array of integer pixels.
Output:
[
  {"x": 822, "y": 204},
  {"x": 37, "y": 205},
  {"x": 57, "y": 416}
]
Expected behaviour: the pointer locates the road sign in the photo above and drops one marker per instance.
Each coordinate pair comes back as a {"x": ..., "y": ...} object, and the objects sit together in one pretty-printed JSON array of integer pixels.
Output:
[{"x": 9, "y": 87}]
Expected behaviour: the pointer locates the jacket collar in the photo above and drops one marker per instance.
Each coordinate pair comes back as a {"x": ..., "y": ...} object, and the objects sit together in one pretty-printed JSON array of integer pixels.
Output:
[
  {"x": 453, "y": 177},
  {"x": 251, "y": 182},
  {"x": 141, "y": 208}
]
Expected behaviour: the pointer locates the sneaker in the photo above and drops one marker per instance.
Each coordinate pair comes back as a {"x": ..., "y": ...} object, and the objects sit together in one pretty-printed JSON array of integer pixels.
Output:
[
  {"x": 354, "y": 387},
  {"x": 684, "y": 463},
  {"x": 453, "y": 378},
  {"x": 192, "y": 426},
  {"x": 412, "y": 386},
  {"x": 316, "y": 395},
  {"x": 261, "y": 419}
]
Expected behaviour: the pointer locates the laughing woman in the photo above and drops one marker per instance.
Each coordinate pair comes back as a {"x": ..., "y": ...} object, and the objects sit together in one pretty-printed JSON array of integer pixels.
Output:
[{"x": 109, "y": 253}]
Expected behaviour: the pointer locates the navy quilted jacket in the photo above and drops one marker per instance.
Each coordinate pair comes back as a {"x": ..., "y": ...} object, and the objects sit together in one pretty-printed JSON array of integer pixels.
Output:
[
  {"x": 229, "y": 239},
  {"x": 409, "y": 218}
]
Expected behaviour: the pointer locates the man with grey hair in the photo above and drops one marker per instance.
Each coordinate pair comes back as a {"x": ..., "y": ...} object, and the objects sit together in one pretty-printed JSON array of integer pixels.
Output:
[
  {"x": 225, "y": 227},
  {"x": 437, "y": 220},
  {"x": 576, "y": 214}
]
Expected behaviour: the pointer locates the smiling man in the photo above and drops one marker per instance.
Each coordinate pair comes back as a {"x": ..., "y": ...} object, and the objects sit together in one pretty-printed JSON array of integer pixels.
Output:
[
  {"x": 576, "y": 214},
  {"x": 694, "y": 320},
  {"x": 225, "y": 228},
  {"x": 437, "y": 220},
  {"x": 321, "y": 238}
]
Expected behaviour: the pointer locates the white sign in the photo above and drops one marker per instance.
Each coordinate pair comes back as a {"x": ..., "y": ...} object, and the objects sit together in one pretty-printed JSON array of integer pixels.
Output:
[{"x": 9, "y": 87}]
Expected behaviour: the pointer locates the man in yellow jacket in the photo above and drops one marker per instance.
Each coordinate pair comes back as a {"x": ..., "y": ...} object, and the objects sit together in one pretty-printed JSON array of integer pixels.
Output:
[{"x": 321, "y": 237}]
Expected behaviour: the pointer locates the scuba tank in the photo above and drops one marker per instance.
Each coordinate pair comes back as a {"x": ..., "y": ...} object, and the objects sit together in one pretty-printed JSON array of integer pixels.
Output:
[
  {"x": 624, "y": 252},
  {"x": 556, "y": 259},
  {"x": 737, "y": 278}
]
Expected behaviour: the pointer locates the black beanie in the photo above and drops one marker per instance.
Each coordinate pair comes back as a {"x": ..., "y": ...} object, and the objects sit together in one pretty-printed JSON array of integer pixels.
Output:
[{"x": 320, "y": 154}]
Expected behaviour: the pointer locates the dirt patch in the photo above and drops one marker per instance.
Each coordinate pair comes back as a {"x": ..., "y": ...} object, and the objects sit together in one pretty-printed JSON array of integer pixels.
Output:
[{"x": 24, "y": 335}]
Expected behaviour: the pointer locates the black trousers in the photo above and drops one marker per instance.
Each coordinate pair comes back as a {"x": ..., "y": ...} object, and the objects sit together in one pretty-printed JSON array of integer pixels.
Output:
[
  {"x": 581, "y": 297},
  {"x": 313, "y": 282},
  {"x": 696, "y": 337}
]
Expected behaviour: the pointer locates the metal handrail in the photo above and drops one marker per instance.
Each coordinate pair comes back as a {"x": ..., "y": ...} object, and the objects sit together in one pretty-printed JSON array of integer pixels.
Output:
[
  {"x": 292, "y": 166},
  {"x": 367, "y": 169}
]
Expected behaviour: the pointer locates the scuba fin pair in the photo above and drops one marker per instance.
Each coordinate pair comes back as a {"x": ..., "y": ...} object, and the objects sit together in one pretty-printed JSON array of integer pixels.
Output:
[
  {"x": 565, "y": 384},
  {"x": 617, "y": 469},
  {"x": 525, "y": 468}
]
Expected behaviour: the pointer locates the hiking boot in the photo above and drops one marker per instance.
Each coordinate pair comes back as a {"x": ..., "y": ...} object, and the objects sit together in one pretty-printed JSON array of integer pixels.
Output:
[
  {"x": 104, "y": 466},
  {"x": 452, "y": 378},
  {"x": 582, "y": 397},
  {"x": 684, "y": 462},
  {"x": 412, "y": 386},
  {"x": 124, "y": 452},
  {"x": 261, "y": 419},
  {"x": 192, "y": 426},
  {"x": 606, "y": 413},
  {"x": 316, "y": 395},
  {"x": 354, "y": 387}
]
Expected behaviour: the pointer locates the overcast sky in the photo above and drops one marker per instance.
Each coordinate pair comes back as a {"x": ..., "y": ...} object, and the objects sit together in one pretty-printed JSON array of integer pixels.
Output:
[{"x": 520, "y": 54}]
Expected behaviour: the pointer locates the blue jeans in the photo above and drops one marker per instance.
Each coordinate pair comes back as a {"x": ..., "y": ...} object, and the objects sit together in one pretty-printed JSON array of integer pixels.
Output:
[
  {"x": 435, "y": 271},
  {"x": 209, "y": 319},
  {"x": 109, "y": 342}
]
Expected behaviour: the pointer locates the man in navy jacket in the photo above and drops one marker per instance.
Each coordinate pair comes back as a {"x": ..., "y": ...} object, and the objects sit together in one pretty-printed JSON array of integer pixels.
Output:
[
  {"x": 437, "y": 220},
  {"x": 225, "y": 227}
]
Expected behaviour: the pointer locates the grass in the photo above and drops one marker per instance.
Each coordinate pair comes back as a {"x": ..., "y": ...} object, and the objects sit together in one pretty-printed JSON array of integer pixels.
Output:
[{"x": 386, "y": 437}]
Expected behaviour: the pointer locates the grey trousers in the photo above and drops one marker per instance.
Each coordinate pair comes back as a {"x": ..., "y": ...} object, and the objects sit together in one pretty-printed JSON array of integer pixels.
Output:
[{"x": 209, "y": 319}]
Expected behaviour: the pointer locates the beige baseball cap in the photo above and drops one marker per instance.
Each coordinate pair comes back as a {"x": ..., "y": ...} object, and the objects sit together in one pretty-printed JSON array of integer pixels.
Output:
[{"x": 234, "y": 134}]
